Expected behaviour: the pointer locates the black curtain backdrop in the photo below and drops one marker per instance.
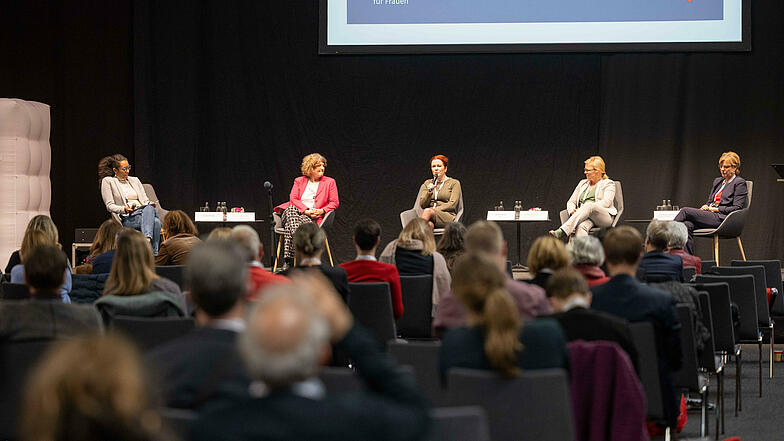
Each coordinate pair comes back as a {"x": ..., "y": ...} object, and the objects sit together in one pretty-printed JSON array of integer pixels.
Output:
[{"x": 209, "y": 99}]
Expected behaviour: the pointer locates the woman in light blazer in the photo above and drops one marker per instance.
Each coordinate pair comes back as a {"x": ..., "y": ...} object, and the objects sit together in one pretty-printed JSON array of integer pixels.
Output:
[
  {"x": 125, "y": 197},
  {"x": 591, "y": 203}
]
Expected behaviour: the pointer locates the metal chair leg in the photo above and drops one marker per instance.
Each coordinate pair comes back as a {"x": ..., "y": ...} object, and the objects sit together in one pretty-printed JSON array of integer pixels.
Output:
[
  {"x": 759, "y": 345},
  {"x": 721, "y": 386},
  {"x": 704, "y": 412},
  {"x": 716, "y": 249},
  {"x": 738, "y": 384},
  {"x": 772, "y": 340},
  {"x": 329, "y": 253},
  {"x": 740, "y": 245},
  {"x": 667, "y": 435},
  {"x": 277, "y": 254}
]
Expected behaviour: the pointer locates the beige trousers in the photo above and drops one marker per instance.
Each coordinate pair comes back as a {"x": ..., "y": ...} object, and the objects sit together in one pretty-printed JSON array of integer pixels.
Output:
[{"x": 585, "y": 218}]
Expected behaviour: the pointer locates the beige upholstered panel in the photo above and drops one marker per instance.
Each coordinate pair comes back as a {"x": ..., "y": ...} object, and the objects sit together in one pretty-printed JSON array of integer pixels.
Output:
[{"x": 25, "y": 162}]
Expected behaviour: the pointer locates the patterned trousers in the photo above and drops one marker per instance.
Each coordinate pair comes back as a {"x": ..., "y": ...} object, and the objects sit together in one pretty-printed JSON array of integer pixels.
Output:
[{"x": 292, "y": 219}]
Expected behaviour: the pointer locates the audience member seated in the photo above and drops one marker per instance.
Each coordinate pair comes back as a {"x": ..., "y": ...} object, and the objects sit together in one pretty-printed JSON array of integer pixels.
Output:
[
  {"x": 678, "y": 234},
  {"x": 181, "y": 236},
  {"x": 625, "y": 297},
  {"x": 308, "y": 245},
  {"x": 220, "y": 233},
  {"x": 486, "y": 238},
  {"x": 656, "y": 265},
  {"x": 102, "y": 249},
  {"x": 40, "y": 222},
  {"x": 133, "y": 288},
  {"x": 45, "y": 316},
  {"x": 365, "y": 268},
  {"x": 546, "y": 256},
  {"x": 494, "y": 338},
  {"x": 414, "y": 253},
  {"x": 568, "y": 291},
  {"x": 451, "y": 243},
  {"x": 587, "y": 257},
  {"x": 33, "y": 239},
  {"x": 202, "y": 368},
  {"x": 258, "y": 277},
  {"x": 287, "y": 337},
  {"x": 90, "y": 389}
]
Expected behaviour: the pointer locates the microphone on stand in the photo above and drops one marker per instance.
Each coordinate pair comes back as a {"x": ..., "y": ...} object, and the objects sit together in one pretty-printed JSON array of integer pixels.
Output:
[{"x": 268, "y": 187}]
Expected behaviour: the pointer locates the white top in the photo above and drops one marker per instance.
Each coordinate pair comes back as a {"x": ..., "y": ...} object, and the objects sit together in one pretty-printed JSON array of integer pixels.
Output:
[
  {"x": 366, "y": 257},
  {"x": 309, "y": 195},
  {"x": 129, "y": 193}
]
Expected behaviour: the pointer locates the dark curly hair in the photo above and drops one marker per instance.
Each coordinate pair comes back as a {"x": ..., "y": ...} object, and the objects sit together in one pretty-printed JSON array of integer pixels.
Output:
[{"x": 107, "y": 165}]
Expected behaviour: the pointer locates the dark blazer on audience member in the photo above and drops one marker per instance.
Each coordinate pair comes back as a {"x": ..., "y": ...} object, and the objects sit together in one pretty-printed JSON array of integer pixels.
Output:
[
  {"x": 544, "y": 347},
  {"x": 733, "y": 197},
  {"x": 45, "y": 317},
  {"x": 658, "y": 266},
  {"x": 102, "y": 263},
  {"x": 13, "y": 261},
  {"x": 335, "y": 274},
  {"x": 395, "y": 410},
  {"x": 590, "y": 325},
  {"x": 200, "y": 369}
]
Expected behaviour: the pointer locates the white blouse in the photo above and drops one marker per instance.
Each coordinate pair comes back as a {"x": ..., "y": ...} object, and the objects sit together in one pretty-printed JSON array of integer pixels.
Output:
[{"x": 309, "y": 195}]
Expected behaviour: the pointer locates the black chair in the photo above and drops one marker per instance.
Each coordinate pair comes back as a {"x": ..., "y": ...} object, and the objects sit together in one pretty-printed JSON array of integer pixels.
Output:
[
  {"x": 14, "y": 291},
  {"x": 17, "y": 360},
  {"x": 536, "y": 405},
  {"x": 151, "y": 332},
  {"x": 710, "y": 362},
  {"x": 417, "y": 319},
  {"x": 707, "y": 265},
  {"x": 509, "y": 269},
  {"x": 175, "y": 273},
  {"x": 371, "y": 305},
  {"x": 689, "y": 273},
  {"x": 466, "y": 423},
  {"x": 178, "y": 421},
  {"x": 423, "y": 356},
  {"x": 766, "y": 323},
  {"x": 339, "y": 379},
  {"x": 773, "y": 279},
  {"x": 730, "y": 228},
  {"x": 645, "y": 341},
  {"x": 689, "y": 377},
  {"x": 742, "y": 294}
]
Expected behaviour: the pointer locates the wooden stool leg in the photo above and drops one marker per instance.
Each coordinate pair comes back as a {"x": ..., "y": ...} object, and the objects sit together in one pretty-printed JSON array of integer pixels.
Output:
[
  {"x": 740, "y": 245},
  {"x": 716, "y": 249},
  {"x": 329, "y": 253},
  {"x": 277, "y": 255}
]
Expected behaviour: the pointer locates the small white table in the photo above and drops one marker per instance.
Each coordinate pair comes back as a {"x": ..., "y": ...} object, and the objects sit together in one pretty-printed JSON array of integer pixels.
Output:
[{"x": 525, "y": 216}]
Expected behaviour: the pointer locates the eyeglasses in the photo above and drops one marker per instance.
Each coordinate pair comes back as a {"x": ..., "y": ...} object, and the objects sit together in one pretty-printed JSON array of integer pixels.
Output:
[
  {"x": 127, "y": 168},
  {"x": 589, "y": 170},
  {"x": 726, "y": 166}
]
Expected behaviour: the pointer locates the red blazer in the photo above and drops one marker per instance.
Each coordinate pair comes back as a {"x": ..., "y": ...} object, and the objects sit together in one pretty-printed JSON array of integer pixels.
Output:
[
  {"x": 360, "y": 271},
  {"x": 326, "y": 196},
  {"x": 688, "y": 259}
]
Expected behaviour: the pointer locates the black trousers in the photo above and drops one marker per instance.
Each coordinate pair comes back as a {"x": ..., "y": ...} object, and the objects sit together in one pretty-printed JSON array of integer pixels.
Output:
[{"x": 694, "y": 219}]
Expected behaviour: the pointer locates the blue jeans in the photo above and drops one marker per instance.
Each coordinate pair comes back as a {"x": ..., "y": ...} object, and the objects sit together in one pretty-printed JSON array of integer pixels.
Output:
[{"x": 146, "y": 220}]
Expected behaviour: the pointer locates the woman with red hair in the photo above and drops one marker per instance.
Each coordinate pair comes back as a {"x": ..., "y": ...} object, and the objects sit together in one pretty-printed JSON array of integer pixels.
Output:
[{"x": 438, "y": 197}]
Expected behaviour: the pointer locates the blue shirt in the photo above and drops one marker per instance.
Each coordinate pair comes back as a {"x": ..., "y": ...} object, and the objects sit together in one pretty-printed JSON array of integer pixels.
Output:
[{"x": 17, "y": 276}]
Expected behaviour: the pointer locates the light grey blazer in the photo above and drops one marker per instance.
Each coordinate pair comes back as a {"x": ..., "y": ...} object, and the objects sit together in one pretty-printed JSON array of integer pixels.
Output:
[
  {"x": 114, "y": 198},
  {"x": 605, "y": 195}
]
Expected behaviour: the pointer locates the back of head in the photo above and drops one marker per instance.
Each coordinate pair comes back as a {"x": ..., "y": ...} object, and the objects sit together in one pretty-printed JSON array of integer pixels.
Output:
[
  {"x": 90, "y": 388},
  {"x": 658, "y": 234},
  {"x": 216, "y": 273},
  {"x": 453, "y": 238},
  {"x": 622, "y": 245},
  {"x": 565, "y": 282},
  {"x": 366, "y": 234},
  {"x": 285, "y": 337},
  {"x": 309, "y": 239},
  {"x": 45, "y": 267},
  {"x": 107, "y": 165},
  {"x": 480, "y": 286},
  {"x": 418, "y": 229},
  {"x": 133, "y": 267},
  {"x": 586, "y": 250},
  {"x": 547, "y": 252},
  {"x": 46, "y": 224},
  {"x": 677, "y": 235},
  {"x": 484, "y": 237},
  {"x": 220, "y": 233},
  {"x": 247, "y": 240},
  {"x": 32, "y": 240},
  {"x": 106, "y": 237},
  {"x": 177, "y": 222}
]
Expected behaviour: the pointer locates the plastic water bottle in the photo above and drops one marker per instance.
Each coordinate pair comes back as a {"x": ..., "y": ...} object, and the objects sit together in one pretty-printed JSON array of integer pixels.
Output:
[
  {"x": 501, "y": 206},
  {"x": 517, "y": 207}
]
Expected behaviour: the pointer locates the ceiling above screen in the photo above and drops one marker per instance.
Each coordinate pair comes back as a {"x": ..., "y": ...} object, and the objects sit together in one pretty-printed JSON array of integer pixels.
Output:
[{"x": 450, "y": 26}]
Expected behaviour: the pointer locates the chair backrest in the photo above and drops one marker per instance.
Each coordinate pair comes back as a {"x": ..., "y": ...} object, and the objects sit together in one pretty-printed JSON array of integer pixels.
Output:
[
  {"x": 329, "y": 219},
  {"x": 509, "y": 271},
  {"x": 423, "y": 356},
  {"x": 178, "y": 421},
  {"x": 760, "y": 292},
  {"x": 707, "y": 265},
  {"x": 14, "y": 291},
  {"x": 707, "y": 359},
  {"x": 645, "y": 342},
  {"x": 175, "y": 273},
  {"x": 772, "y": 277},
  {"x": 371, "y": 305},
  {"x": 17, "y": 360},
  {"x": 687, "y": 376},
  {"x": 417, "y": 293},
  {"x": 536, "y": 405},
  {"x": 722, "y": 330},
  {"x": 154, "y": 198},
  {"x": 742, "y": 294},
  {"x": 465, "y": 423},
  {"x": 278, "y": 222},
  {"x": 618, "y": 202},
  {"x": 339, "y": 379},
  {"x": 732, "y": 225},
  {"x": 151, "y": 332},
  {"x": 749, "y": 187},
  {"x": 689, "y": 272}
]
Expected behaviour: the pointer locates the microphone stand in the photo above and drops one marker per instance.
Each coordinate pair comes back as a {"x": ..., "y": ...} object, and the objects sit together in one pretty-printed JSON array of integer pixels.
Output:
[{"x": 272, "y": 228}]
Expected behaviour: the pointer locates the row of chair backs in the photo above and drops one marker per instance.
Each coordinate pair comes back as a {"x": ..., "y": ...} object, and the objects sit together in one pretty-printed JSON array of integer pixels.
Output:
[
  {"x": 417, "y": 292},
  {"x": 741, "y": 290},
  {"x": 14, "y": 291},
  {"x": 722, "y": 331},
  {"x": 423, "y": 356},
  {"x": 708, "y": 359},
  {"x": 371, "y": 305},
  {"x": 687, "y": 377},
  {"x": 148, "y": 333},
  {"x": 772, "y": 277},
  {"x": 175, "y": 273},
  {"x": 759, "y": 292},
  {"x": 645, "y": 342}
]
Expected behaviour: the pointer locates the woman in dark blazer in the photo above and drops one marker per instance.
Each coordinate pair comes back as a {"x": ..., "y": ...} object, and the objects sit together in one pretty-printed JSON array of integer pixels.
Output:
[{"x": 728, "y": 194}]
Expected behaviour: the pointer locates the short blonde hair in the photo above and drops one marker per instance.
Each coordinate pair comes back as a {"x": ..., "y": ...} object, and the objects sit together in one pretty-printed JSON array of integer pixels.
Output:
[
  {"x": 598, "y": 163},
  {"x": 733, "y": 159},
  {"x": 547, "y": 252},
  {"x": 312, "y": 161},
  {"x": 418, "y": 229}
]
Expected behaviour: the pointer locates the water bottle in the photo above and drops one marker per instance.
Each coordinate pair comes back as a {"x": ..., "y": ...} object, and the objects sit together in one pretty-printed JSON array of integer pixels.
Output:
[
  {"x": 517, "y": 207},
  {"x": 206, "y": 206},
  {"x": 669, "y": 205},
  {"x": 501, "y": 206}
]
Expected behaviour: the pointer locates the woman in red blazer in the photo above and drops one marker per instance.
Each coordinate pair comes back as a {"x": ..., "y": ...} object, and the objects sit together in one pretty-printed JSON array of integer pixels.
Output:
[{"x": 312, "y": 196}]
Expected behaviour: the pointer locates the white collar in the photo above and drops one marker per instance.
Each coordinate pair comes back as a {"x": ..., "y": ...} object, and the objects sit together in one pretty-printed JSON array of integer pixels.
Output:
[
  {"x": 366, "y": 257},
  {"x": 731, "y": 179},
  {"x": 577, "y": 302},
  {"x": 310, "y": 260},
  {"x": 236, "y": 324},
  {"x": 257, "y": 264}
]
